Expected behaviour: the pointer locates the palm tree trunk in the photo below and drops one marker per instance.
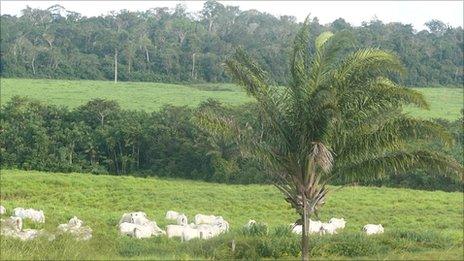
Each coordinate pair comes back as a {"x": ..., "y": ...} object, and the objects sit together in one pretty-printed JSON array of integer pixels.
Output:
[{"x": 305, "y": 232}]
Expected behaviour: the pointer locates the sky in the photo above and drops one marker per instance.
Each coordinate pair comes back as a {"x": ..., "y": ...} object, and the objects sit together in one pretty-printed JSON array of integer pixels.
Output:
[{"x": 354, "y": 12}]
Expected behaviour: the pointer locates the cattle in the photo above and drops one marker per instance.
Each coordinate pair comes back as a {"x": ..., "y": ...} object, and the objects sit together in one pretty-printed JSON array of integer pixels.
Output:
[
  {"x": 136, "y": 224},
  {"x": 75, "y": 227},
  {"x": 371, "y": 229},
  {"x": 314, "y": 227},
  {"x": 142, "y": 232},
  {"x": 127, "y": 229},
  {"x": 182, "y": 220},
  {"x": 221, "y": 224},
  {"x": 250, "y": 224},
  {"x": 126, "y": 218},
  {"x": 34, "y": 215},
  {"x": 328, "y": 228},
  {"x": 172, "y": 215},
  {"x": 338, "y": 222},
  {"x": 75, "y": 222},
  {"x": 28, "y": 234},
  {"x": 2, "y": 210},
  {"x": 208, "y": 231},
  {"x": 189, "y": 233},
  {"x": 175, "y": 230},
  {"x": 11, "y": 225},
  {"x": 205, "y": 219}
]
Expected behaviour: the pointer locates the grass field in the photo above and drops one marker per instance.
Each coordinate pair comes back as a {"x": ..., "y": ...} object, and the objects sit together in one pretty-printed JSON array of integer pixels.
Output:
[
  {"x": 445, "y": 102},
  {"x": 418, "y": 224}
]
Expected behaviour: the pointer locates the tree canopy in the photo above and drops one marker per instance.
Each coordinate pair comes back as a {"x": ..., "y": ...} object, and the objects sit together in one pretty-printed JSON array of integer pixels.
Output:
[{"x": 174, "y": 45}]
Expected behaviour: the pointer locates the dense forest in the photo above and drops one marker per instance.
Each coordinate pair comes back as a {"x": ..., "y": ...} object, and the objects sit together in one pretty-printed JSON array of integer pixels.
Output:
[
  {"x": 102, "y": 138},
  {"x": 173, "y": 45}
]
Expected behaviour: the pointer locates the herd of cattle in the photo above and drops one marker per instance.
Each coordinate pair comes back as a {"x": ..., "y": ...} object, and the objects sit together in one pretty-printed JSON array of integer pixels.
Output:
[{"x": 137, "y": 225}]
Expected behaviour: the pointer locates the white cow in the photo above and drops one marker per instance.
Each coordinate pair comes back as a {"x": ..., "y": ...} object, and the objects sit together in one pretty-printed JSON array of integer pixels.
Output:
[
  {"x": 338, "y": 222},
  {"x": 250, "y": 224},
  {"x": 128, "y": 229},
  {"x": 143, "y": 232},
  {"x": 149, "y": 224},
  {"x": 28, "y": 234},
  {"x": 175, "y": 230},
  {"x": 314, "y": 227},
  {"x": 181, "y": 220},
  {"x": 34, "y": 215},
  {"x": 221, "y": 224},
  {"x": 172, "y": 215},
  {"x": 2, "y": 210},
  {"x": 205, "y": 219},
  {"x": 75, "y": 222},
  {"x": 75, "y": 227},
  {"x": 189, "y": 233},
  {"x": 208, "y": 231},
  {"x": 126, "y": 218},
  {"x": 12, "y": 224},
  {"x": 328, "y": 228},
  {"x": 371, "y": 229},
  {"x": 136, "y": 224}
]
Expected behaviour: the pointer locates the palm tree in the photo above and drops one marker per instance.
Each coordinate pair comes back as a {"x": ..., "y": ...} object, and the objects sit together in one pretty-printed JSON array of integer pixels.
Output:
[{"x": 340, "y": 117}]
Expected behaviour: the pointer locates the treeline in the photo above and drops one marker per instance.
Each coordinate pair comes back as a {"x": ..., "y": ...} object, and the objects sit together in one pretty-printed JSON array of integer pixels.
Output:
[
  {"x": 177, "y": 46},
  {"x": 101, "y": 138}
]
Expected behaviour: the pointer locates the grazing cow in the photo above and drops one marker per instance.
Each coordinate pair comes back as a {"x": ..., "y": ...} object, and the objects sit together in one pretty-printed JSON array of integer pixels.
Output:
[
  {"x": 126, "y": 218},
  {"x": 175, "y": 230},
  {"x": 172, "y": 215},
  {"x": 75, "y": 222},
  {"x": 208, "y": 231},
  {"x": 12, "y": 224},
  {"x": 314, "y": 227},
  {"x": 221, "y": 224},
  {"x": 328, "y": 228},
  {"x": 371, "y": 229},
  {"x": 28, "y": 234},
  {"x": 338, "y": 222},
  {"x": 138, "y": 220},
  {"x": 150, "y": 225},
  {"x": 128, "y": 229},
  {"x": 2, "y": 210},
  {"x": 34, "y": 215},
  {"x": 182, "y": 220},
  {"x": 250, "y": 224},
  {"x": 205, "y": 219},
  {"x": 142, "y": 232},
  {"x": 189, "y": 233},
  {"x": 75, "y": 228}
]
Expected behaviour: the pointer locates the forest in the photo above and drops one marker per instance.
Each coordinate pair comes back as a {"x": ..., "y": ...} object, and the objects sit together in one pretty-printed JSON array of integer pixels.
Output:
[
  {"x": 174, "y": 45},
  {"x": 102, "y": 138}
]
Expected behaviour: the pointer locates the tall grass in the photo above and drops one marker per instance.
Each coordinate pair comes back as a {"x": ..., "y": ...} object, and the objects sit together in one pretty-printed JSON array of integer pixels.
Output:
[{"x": 416, "y": 222}]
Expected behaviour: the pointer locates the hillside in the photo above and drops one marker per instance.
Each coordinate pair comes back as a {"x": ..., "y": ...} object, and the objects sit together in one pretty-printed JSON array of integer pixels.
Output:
[
  {"x": 415, "y": 221},
  {"x": 445, "y": 102}
]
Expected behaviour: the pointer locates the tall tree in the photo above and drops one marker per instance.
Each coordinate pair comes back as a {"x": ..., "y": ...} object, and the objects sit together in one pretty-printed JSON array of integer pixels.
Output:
[{"x": 340, "y": 116}]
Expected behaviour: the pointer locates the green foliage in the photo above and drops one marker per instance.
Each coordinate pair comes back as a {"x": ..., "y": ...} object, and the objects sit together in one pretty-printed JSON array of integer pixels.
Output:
[
  {"x": 418, "y": 224},
  {"x": 173, "y": 45},
  {"x": 166, "y": 143}
]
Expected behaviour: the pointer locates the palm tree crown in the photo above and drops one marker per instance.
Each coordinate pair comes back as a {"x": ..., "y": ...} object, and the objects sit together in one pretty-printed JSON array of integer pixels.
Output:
[{"x": 340, "y": 116}]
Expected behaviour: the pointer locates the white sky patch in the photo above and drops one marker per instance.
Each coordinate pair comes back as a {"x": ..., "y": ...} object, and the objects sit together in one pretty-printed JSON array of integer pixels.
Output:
[{"x": 354, "y": 12}]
